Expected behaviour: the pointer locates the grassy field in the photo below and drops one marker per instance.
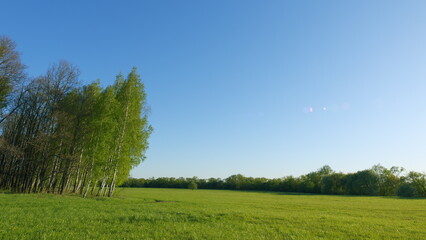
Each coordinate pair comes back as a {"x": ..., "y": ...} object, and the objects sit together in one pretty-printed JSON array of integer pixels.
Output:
[{"x": 210, "y": 214}]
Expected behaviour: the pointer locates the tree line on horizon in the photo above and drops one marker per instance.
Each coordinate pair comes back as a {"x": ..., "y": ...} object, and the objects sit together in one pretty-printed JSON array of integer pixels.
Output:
[
  {"x": 376, "y": 181},
  {"x": 59, "y": 136}
]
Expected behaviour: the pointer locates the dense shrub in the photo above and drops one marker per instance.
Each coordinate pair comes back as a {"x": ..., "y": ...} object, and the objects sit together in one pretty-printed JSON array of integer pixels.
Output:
[
  {"x": 333, "y": 184},
  {"x": 364, "y": 182},
  {"x": 192, "y": 185},
  {"x": 406, "y": 190}
]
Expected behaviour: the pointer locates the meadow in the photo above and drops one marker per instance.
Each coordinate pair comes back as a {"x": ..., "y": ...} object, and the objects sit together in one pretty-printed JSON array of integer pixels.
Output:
[{"x": 209, "y": 214}]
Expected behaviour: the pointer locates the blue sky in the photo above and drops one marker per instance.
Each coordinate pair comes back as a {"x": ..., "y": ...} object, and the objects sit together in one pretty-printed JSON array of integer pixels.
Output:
[{"x": 261, "y": 88}]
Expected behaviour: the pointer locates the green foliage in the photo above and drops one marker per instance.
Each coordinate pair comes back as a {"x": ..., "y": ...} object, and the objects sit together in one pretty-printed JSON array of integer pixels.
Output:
[
  {"x": 388, "y": 179},
  {"x": 192, "y": 185},
  {"x": 407, "y": 190},
  {"x": 311, "y": 182},
  {"x": 418, "y": 181},
  {"x": 333, "y": 184},
  {"x": 235, "y": 181},
  {"x": 207, "y": 214},
  {"x": 290, "y": 184},
  {"x": 364, "y": 182}
]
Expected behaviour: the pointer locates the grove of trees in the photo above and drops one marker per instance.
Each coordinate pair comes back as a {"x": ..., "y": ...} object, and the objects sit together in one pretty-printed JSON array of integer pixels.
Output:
[
  {"x": 377, "y": 181},
  {"x": 58, "y": 136}
]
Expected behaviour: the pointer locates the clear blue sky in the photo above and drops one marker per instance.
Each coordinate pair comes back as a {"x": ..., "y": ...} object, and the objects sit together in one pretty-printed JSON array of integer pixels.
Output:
[{"x": 261, "y": 88}]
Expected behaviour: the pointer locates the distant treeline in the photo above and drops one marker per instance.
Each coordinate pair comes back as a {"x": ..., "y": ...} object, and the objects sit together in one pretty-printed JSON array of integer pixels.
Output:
[
  {"x": 58, "y": 136},
  {"x": 373, "y": 182}
]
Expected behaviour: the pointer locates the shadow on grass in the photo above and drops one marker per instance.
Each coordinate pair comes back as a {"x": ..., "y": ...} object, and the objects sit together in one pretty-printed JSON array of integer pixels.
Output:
[
  {"x": 290, "y": 193},
  {"x": 334, "y": 195},
  {"x": 7, "y": 192}
]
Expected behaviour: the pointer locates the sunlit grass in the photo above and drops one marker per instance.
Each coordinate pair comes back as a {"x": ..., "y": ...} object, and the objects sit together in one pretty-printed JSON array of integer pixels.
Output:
[{"x": 209, "y": 214}]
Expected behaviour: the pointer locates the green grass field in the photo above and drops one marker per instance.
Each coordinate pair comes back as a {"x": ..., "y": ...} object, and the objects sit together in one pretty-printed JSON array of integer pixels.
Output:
[{"x": 210, "y": 214}]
